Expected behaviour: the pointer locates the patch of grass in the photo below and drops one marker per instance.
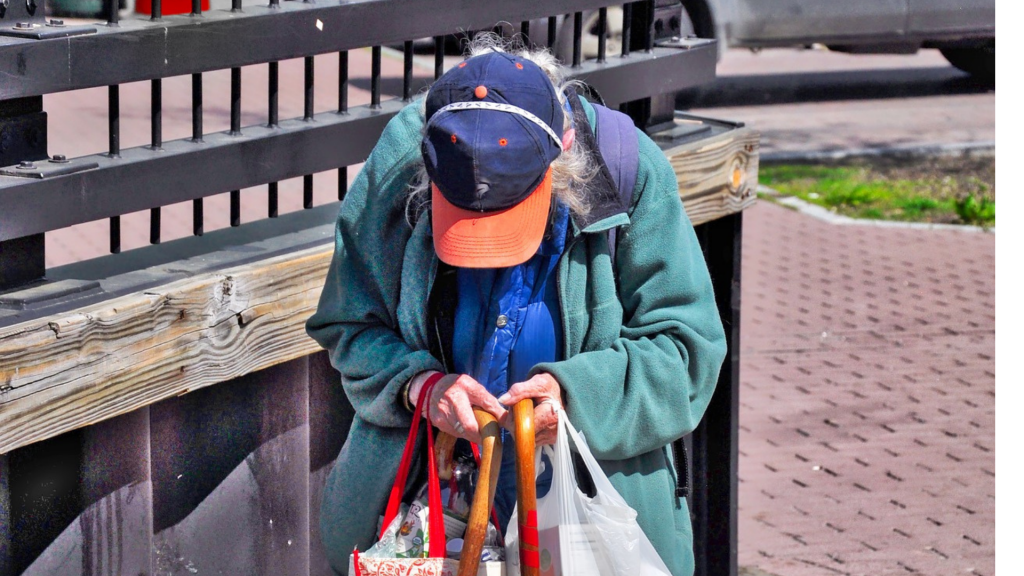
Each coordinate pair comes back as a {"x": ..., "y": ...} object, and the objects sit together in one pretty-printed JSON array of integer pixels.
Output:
[{"x": 950, "y": 190}]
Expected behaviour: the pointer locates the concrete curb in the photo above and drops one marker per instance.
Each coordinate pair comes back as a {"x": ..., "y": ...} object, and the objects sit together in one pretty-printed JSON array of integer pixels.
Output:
[
  {"x": 983, "y": 149},
  {"x": 822, "y": 213}
]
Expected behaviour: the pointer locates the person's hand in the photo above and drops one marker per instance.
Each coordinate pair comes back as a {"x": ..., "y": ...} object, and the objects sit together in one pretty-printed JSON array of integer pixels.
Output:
[
  {"x": 546, "y": 392},
  {"x": 451, "y": 402}
]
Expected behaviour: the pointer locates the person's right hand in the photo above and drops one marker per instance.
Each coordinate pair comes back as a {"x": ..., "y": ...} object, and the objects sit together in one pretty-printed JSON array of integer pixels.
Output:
[{"x": 451, "y": 406}]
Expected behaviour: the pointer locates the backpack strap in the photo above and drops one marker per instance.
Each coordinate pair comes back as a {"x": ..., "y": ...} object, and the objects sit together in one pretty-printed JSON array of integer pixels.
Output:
[{"x": 620, "y": 149}]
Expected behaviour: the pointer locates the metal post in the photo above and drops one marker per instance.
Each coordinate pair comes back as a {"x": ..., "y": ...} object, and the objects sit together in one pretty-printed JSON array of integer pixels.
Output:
[
  {"x": 23, "y": 123},
  {"x": 716, "y": 440}
]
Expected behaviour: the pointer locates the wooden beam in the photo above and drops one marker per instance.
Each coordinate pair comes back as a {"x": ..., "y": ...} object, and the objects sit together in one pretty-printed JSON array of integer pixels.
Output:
[
  {"x": 87, "y": 365},
  {"x": 717, "y": 175}
]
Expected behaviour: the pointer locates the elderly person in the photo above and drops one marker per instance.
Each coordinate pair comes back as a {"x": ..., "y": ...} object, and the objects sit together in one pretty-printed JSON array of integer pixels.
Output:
[{"x": 473, "y": 250}]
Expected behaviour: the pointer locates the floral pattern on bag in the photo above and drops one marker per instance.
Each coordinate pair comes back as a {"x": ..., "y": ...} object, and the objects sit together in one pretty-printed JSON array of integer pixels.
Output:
[{"x": 407, "y": 567}]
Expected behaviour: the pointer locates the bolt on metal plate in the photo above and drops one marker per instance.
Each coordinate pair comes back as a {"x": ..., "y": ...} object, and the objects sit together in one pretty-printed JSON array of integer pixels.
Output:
[
  {"x": 59, "y": 165},
  {"x": 54, "y": 28}
]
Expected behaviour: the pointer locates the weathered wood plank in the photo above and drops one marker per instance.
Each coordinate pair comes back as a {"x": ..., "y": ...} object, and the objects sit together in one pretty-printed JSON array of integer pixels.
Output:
[
  {"x": 78, "y": 368},
  {"x": 718, "y": 175},
  {"x": 87, "y": 365}
]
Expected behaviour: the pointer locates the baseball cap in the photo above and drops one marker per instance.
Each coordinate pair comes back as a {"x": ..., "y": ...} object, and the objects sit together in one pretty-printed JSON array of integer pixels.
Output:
[{"x": 493, "y": 127}]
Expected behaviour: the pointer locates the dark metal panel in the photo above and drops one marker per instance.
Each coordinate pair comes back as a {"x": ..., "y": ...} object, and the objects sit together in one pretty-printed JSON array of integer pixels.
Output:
[
  {"x": 44, "y": 500},
  {"x": 230, "y": 469},
  {"x": 716, "y": 440},
  {"x": 116, "y": 520},
  {"x": 22, "y": 260},
  {"x": 330, "y": 416},
  {"x": 175, "y": 45},
  {"x": 6, "y": 561},
  {"x": 79, "y": 503}
]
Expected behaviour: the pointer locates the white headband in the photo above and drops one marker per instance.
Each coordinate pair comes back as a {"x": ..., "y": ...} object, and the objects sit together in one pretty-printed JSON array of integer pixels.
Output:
[{"x": 483, "y": 105}]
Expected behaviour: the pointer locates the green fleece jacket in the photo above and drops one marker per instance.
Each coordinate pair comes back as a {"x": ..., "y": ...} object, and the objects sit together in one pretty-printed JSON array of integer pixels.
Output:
[{"x": 642, "y": 354}]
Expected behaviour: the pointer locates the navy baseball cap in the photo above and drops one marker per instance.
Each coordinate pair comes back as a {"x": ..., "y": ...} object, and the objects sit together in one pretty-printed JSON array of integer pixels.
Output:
[{"x": 493, "y": 127}]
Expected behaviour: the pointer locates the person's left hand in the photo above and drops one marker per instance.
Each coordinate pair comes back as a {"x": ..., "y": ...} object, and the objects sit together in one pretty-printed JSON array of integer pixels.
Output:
[{"x": 541, "y": 387}]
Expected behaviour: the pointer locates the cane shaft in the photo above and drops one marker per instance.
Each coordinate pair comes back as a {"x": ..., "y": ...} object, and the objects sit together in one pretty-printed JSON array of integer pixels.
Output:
[
  {"x": 526, "y": 488},
  {"x": 483, "y": 498}
]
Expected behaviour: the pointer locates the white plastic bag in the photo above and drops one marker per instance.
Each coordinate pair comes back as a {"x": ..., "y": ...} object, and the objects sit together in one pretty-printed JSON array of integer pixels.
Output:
[{"x": 581, "y": 536}]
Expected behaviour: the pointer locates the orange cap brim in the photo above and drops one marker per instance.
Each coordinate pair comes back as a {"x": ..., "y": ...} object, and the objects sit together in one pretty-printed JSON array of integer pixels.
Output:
[{"x": 470, "y": 239}]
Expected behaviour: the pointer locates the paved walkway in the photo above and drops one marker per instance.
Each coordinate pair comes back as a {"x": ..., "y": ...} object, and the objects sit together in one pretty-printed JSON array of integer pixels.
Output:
[{"x": 867, "y": 425}]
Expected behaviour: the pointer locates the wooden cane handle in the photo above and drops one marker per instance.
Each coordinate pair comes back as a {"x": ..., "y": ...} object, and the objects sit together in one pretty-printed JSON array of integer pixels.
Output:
[
  {"x": 483, "y": 498},
  {"x": 526, "y": 488},
  {"x": 444, "y": 451}
]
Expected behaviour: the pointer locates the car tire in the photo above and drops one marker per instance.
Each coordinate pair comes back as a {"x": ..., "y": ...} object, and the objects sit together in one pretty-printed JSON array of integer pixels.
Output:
[{"x": 979, "y": 61}]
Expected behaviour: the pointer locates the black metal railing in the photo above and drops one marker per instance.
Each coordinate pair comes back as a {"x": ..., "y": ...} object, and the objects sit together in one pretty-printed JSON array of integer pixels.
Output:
[
  {"x": 40, "y": 194},
  {"x": 47, "y": 196}
]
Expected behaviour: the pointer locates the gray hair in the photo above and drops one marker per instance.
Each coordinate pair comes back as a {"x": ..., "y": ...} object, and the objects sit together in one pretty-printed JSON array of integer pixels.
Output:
[{"x": 573, "y": 168}]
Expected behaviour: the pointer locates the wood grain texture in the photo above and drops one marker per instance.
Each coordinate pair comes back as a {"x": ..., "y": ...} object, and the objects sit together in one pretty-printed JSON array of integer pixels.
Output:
[
  {"x": 718, "y": 175},
  {"x": 87, "y": 365},
  {"x": 84, "y": 366}
]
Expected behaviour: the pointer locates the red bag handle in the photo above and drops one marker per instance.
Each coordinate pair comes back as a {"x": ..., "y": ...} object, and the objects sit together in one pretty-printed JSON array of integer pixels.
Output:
[{"x": 435, "y": 519}]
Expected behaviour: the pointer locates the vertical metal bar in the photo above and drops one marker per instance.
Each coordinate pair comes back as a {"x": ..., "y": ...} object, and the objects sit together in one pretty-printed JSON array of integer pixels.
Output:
[
  {"x": 157, "y": 10},
  {"x": 307, "y": 180},
  {"x": 197, "y": 217},
  {"x": 236, "y": 101},
  {"x": 375, "y": 78},
  {"x": 407, "y": 72},
  {"x": 112, "y": 13},
  {"x": 649, "y": 44},
  {"x": 715, "y": 441},
  {"x": 235, "y": 216},
  {"x": 272, "y": 120},
  {"x": 114, "y": 135},
  {"x": 524, "y": 32},
  {"x": 627, "y": 27},
  {"x": 275, "y": 3},
  {"x": 197, "y": 136},
  {"x": 602, "y": 33},
  {"x": 307, "y": 111},
  {"x": 236, "y": 5},
  {"x": 197, "y": 107},
  {"x": 114, "y": 119},
  {"x": 197, "y": 7},
  {"x": 343, "y": 109},
  {"x": 272, "y": 200},
  {"x": 236, "y": 207},
  {"x": 272, "y": 91},
  {"x": 156, "y": 113},
  {"x": 552, "y": 31},
  {"x": 577, "y": 39},
  {"x": 438, "y": 56},
  {"x": 343, "y": 82},
  {"x": 115, "y": 234},
  {"x": 154, "y": 225}
]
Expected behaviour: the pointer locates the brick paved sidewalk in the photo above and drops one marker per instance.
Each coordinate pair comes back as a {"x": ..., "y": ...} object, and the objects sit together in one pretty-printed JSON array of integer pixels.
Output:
[{"x": 867, "y": 430}]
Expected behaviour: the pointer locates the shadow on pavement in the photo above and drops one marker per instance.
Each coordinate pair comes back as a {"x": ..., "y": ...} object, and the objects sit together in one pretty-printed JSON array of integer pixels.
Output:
[{"x": 766, "y": 89}]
